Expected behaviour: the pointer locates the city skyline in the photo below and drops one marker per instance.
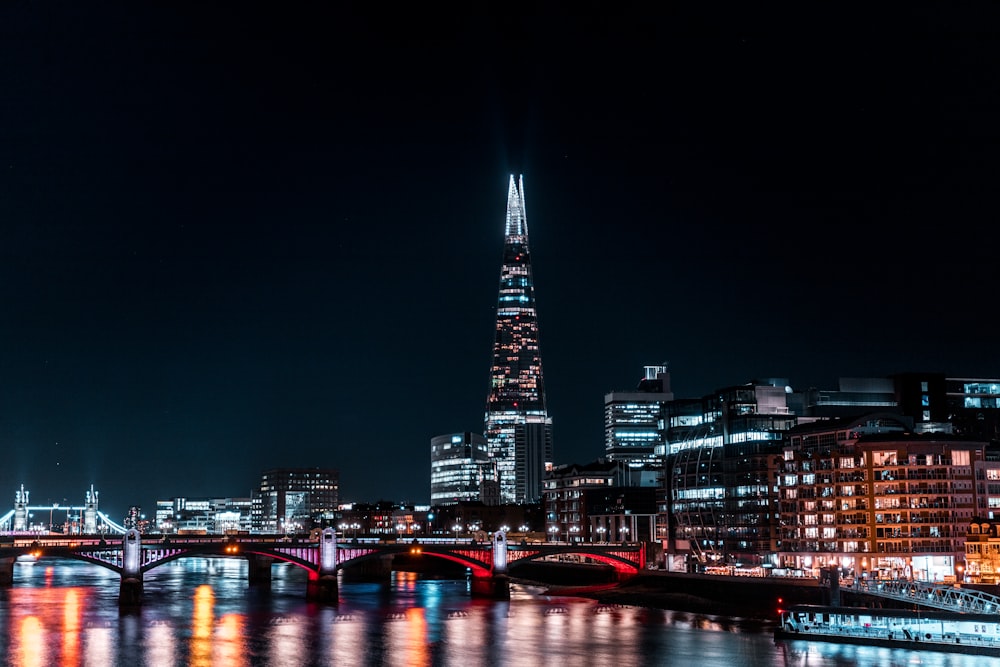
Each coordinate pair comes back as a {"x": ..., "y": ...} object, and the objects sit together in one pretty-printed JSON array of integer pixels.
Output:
[{"x": 239, "y": 242}]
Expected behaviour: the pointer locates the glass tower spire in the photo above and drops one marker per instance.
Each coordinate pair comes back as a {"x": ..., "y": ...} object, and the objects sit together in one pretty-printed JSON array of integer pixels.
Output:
[{"x": 518, "y": 430}]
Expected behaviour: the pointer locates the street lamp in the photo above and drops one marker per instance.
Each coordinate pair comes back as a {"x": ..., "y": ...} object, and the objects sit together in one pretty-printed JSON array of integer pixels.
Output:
[
  {"x": 457, "y": 527},
  {"x": 624, "y": 532},
  {"x": 575, "y": 530},
  {"x": 553, "y": 529}
]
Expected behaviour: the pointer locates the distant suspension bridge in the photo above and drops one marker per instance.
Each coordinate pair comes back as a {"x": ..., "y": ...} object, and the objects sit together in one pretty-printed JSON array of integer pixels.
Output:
[{"x": 86, "y": 519}]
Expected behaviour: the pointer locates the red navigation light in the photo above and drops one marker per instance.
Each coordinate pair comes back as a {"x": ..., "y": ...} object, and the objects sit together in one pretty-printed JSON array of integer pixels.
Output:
[{"x": 780, "y": 601}]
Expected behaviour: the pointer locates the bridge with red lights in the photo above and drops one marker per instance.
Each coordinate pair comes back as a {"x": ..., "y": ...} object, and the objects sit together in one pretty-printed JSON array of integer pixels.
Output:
[{"x": 134, "y": 555}]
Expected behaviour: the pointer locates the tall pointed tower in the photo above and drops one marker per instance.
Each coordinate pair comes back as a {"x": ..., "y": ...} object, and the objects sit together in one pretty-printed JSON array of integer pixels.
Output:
[{"x": 518, "y": 430}]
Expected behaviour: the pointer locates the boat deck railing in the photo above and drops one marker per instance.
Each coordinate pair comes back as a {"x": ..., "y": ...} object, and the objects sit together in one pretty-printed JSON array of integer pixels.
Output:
[{"x": 937, "y": 596}]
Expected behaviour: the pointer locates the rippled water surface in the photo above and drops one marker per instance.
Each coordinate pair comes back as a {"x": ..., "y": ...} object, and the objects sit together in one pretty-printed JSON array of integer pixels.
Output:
[{"x": 201, "y": 612}]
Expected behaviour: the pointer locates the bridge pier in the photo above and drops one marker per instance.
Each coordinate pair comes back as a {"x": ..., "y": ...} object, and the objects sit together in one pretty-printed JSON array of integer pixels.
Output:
[
  {"x": 496, "y": 587},
  {"x": 259, "y": 570},
  {"x": 7, "y": 571},
  {"x": 323, "y": 589},
  {"x": 130, "y": 592}
]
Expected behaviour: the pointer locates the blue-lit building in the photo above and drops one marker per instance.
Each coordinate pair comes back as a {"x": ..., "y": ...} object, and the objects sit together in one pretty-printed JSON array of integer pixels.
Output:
[
  {"x": 635, "y": 422},
  {"x": 461, "y": 468}
]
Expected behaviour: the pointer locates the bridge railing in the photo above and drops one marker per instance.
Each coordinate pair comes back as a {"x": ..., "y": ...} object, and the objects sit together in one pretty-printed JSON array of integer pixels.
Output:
[{"x": 937, "y": 596}]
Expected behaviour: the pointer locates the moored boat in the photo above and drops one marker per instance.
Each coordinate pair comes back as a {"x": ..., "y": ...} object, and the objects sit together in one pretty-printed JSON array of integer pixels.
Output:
[{"x": 977, "y": 634}]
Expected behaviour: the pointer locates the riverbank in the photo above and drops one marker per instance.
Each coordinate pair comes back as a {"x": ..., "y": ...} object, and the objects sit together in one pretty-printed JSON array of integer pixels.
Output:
[{"x": 717, "y": 595}]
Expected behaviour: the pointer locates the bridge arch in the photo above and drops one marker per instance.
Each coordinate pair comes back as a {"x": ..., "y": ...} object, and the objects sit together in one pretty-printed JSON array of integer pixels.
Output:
[{"x": 626, "y": 564}]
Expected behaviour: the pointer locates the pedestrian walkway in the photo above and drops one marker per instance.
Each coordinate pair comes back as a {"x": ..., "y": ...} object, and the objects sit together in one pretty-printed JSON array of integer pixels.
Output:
[{"x": 937, "y": 596}]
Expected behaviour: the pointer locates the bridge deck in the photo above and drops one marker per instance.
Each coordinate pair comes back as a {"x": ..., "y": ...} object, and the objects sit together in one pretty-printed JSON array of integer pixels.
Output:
[{"x": 936, "y": 596}]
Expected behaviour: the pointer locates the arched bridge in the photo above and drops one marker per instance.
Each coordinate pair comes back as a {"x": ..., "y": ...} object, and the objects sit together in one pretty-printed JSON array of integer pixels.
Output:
[{"x": 135, "y": 555}]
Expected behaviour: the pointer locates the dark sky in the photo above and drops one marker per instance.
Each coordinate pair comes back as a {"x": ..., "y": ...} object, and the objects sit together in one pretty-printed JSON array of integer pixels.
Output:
[{"x": 234, "y": 239}]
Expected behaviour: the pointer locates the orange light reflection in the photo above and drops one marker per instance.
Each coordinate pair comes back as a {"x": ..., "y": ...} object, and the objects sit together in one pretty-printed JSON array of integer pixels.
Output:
[
  {"x": 72, "y": 613},
  {"x": 31, "y": 638},
  {"x": 229, "y": 644},
  {"x": 416, "y": 638},
  {"x": 45, "y": 626},
  {"x": 201, "y": 627}
]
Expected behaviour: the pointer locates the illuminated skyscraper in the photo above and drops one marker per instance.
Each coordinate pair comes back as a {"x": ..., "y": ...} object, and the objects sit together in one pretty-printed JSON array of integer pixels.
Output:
[
  {"x": 518, "y": 430},
  {"x": 634, "y": 422}
]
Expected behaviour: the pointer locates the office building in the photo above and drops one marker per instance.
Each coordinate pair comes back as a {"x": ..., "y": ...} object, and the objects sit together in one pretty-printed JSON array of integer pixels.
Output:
[
  {"x": 459, "y": 464},
  {"x": 634, "y": 422},
  {"x": 203, "y": 516},
  {"x": 518, "y": 429},
  {"x": 295, "y": 500}
]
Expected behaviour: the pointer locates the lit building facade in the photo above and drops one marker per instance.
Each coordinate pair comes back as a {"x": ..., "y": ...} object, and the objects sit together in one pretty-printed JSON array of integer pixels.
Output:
[
  {"x": 589, "y": 503},
  {"x": 634, "y": 422},
  {"x": 973, "y": 406},
  {"x": 291, "y": 500},
  {"x": 880, "y": 504},
  {"x": 211, "y": 516},
  {"x": 517, "y": 428},
  {"x": 982, "y": 552},
  {"x": 459, "y": 464},
  {"x": 721, "y": 450},
  {"x": 717, "y": 473}
]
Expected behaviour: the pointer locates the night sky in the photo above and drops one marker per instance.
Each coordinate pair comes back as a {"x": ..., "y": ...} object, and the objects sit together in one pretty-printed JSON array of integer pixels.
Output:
[{"x": 234, "y": 239}]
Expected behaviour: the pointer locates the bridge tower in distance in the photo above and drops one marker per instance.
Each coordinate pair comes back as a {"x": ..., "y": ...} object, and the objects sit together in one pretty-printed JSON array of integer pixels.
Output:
[{"x": 21, "y": 510}]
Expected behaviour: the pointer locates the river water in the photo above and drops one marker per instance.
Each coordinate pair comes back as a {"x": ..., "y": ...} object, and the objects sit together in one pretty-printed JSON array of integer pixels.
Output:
[{"x": 201, "y": 612}]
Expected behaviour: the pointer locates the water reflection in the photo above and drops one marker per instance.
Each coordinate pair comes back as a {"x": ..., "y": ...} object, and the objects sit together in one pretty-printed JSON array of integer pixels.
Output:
[
  {"x": 203, "y": 612},
  {"x": 72, "y": 612},
  {"x": 201, "y": 627}
]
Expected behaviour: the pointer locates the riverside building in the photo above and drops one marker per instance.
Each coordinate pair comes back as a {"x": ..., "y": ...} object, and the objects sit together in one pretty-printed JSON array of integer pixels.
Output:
[
  {"x": 880, "y": 478},
  {"x": 291, "y": 500},
  {"x": 887, "y": 505}
]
